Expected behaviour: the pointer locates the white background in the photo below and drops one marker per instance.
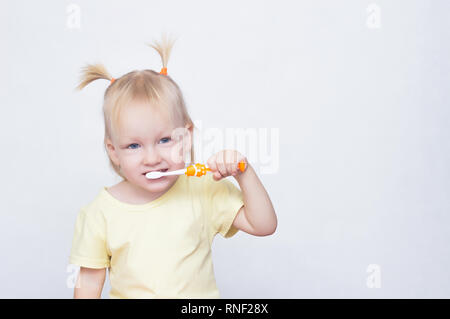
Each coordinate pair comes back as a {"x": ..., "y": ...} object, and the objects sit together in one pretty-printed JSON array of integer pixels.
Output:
[{"x": 362, "y": 114}]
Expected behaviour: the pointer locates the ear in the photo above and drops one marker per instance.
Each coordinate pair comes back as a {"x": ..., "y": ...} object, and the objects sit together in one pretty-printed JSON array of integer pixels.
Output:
[{"x": 112, "y": 151}]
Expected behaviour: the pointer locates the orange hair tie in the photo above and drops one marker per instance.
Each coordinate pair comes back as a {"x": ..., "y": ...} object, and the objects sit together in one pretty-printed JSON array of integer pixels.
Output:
[
  {"x": 112, "y": 80},
  {"x": 163, "y": 71}
]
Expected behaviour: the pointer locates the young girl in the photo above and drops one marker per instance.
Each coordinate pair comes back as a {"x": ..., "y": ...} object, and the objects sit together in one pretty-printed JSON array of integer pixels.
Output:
[{"x": 155, "y": 235}]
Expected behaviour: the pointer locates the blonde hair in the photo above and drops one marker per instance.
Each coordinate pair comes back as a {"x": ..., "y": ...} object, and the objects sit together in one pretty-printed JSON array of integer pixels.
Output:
[{"x": 157, "y": 90}]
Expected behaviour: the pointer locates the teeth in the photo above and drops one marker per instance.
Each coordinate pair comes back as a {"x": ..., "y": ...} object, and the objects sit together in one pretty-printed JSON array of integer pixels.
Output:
[{"x": 161, "y": 170}]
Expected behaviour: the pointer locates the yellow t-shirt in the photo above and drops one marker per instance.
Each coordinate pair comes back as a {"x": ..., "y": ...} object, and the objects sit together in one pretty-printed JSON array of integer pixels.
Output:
[{"x": 161, "y": 249}]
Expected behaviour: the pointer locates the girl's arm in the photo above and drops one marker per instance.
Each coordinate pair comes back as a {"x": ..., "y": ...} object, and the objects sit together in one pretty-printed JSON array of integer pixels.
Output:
[
  {"x": 90, "y": 283},
  {"x": 258, "y": 215}
]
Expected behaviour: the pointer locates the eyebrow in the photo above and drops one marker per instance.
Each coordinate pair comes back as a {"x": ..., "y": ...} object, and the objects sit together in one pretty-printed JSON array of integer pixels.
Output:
[
  {"x": 129, "y": 139},
  {"x": 139, "y": 137}
]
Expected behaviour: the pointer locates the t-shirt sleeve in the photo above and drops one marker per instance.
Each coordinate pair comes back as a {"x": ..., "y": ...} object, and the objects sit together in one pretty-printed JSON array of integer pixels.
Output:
[
  {"x": 225, "y": 201},
  {"x": 89, "y": 240}
]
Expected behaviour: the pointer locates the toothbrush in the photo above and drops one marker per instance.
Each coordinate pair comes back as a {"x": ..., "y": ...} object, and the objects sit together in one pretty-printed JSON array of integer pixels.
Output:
[{"x": 192, "y": 170}]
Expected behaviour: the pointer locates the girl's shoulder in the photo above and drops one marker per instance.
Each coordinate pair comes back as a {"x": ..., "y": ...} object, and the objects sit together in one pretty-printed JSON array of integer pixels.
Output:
[{"x": 118, "y": 191}]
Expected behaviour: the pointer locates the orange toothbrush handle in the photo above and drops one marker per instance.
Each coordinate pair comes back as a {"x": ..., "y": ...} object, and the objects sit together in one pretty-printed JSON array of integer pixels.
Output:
[
  {"x": 242, "y": 166},
  {"x": 200, "y": 169},
  {"x": 196, "y": 170}
]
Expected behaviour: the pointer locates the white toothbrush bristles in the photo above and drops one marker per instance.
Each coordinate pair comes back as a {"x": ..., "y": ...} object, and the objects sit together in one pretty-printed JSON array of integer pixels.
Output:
[
  {"x": 157, "y": 174},
  {"x": 153, "y": 175}
]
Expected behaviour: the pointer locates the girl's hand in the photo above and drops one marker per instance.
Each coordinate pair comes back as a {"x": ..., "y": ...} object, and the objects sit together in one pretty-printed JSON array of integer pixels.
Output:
[{"x": 225, "y": 163}]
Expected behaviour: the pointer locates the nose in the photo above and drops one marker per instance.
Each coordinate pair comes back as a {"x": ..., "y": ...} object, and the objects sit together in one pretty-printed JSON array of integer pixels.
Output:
[{"x": 151, "y": 157}]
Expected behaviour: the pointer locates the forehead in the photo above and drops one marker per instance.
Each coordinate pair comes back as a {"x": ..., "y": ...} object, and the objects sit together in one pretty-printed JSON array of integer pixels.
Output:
[{"x": 139, "y": 120}]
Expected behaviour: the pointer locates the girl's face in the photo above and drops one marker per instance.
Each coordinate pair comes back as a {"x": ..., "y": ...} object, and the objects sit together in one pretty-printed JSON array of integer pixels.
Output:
[{"x": 148, "y": 141}]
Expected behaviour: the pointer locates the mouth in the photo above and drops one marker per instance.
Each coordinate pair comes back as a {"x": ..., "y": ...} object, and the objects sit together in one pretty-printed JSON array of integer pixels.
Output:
[{"x": 159, "y": 170}]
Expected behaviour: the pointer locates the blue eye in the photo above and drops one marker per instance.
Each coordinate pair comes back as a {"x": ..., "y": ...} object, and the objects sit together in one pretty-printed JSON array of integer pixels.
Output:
[
  {"x": 168, "y": 138},
  {"x": 132, "y": 144}
]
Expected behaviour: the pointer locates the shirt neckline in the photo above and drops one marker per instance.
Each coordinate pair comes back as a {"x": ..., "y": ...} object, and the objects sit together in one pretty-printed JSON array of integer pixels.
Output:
[{"x": 161, "y": 199}]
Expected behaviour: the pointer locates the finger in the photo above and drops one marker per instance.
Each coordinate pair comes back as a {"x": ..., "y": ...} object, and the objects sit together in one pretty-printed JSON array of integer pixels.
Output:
[
  {"x": 230, "y": 159},
  {"x": 212, "y": 163},
  {"x": 217, "y": 176},
  {"x": 220, "y": 162}
]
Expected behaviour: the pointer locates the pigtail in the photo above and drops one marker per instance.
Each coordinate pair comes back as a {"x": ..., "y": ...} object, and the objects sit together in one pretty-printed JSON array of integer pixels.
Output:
[
  {"x": 92, "y": 72},
  {"x": 164, "y": 49}
]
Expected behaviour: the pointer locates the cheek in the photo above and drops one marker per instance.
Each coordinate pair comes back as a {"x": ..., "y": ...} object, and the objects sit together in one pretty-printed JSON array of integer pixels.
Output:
[
  {"x": 169, "y": 153},
  {"x": 130, "y": 160},
  {"x": 174, "y": 154}
]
